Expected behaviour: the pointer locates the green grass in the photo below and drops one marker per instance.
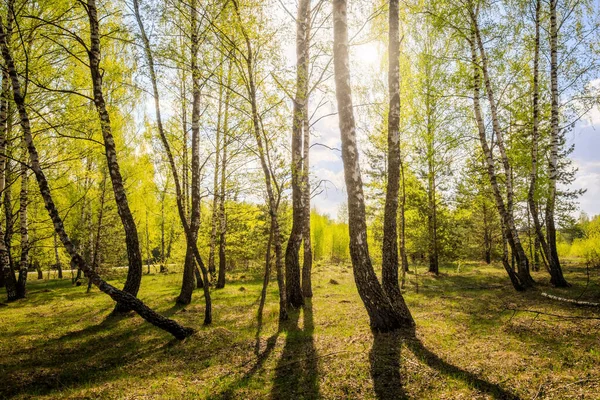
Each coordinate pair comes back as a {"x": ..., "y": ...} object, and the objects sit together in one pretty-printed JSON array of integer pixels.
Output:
[{"x": 60, "y": 342}]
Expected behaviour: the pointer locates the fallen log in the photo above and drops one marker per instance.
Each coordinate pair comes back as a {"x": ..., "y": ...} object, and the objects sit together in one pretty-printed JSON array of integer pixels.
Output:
[{"x": 572, "y": 301}]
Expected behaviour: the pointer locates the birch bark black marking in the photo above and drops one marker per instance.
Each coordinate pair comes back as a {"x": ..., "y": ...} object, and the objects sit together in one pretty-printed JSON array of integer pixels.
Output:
[
  {"x": 556, "y": 274},
  {"x": 134, "y": 255},
  {"x": 292, "y": 257},
  {"x": 120, "y": 296},
  {"x": 487, "y": 152},
  {"x": 382, "y": 314},
  {"x": 514, "y": 241},
  {"x": 273, "y": 203},
  {"x": 190, "y": 239},
  {"x": 389, "y": 271}
]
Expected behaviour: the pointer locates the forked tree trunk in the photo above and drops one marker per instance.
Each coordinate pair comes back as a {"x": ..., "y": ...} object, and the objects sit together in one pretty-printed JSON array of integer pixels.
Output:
[
  {"x": 556, "y": 274},
  {"x": 384, "y": 316},
  {"x": 187, "y": 228},
  {"x": 120, "y": 296},
  {"x": 540, "y": 240},
  {"x": 292, "y": 252},
  {"x": 525, "y": 278},
  {"x": 134, "y": 255},
  {"x": 390, "y": 231},
  {"x": 262, "y": 148}
]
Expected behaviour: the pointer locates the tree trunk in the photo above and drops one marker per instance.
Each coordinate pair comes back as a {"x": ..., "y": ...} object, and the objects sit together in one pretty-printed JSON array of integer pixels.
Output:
[
  {"x": 384, "y": 316},
  {"x": 23, "y": 228},
  {"x": 8, "y": 275},
  {"x": 222, "y": 217},
  {"x": 187, "y": 286},
  {"x": 191, "y": 238},
  {"x": 292, "y": 256},
  {"x": 389, "y": 271},
  {"x": 262, "y": 148},
  {"x": 215, "y": 210},
  {"x": 556, "y": 275},
  {"x": 525, "y": 278},
  {"x": 491, "y": 168},
  {"x": 403, "y": 255},
  {"x": 306, "y": 235},
  {"x": 120, "y": 296},
  {"x": 134, "y": 255},
  {"x": 96, "y": 248}
]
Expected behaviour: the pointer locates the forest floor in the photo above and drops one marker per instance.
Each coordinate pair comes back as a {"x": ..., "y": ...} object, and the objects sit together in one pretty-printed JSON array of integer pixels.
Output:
[{"x": 469, "y": 342}]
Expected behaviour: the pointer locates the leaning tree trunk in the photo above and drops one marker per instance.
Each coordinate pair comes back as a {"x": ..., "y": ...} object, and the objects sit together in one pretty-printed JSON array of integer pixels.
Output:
[
  {"x": 215, "y": 210},
  {"x": 513, "y": 236},
  {"x": 556, "y": 274},
  {"x": 540, "y": 240},
  {"x": 389, "y": 270},
  {"x": 384, "y": 316},
  {"x": 187, "y": 228},
  {"x": 23, "y": 229},
  {"x": 120, "y": 296},
  {"x": 273, "y": 202},
  {"x": 292, "y": 256},
  {"x": 8, "y": 275},
  {"x": 491, "y": 168},
  {"x": 134, "y": 255},
  {"x": 222, "y": 216}
]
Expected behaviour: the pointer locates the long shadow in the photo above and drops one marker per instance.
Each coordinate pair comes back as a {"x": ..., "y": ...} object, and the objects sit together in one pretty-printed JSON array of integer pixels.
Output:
[
  {"x": 296, "y": 374},
  {"x": 385, "y": 366},
  {"x": 76, "y": 358},
  {"x": 437, "y": 363}
]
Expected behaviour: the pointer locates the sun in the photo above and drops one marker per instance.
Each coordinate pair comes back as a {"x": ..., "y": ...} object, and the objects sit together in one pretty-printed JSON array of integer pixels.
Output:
[{"x": 367, "y": 54}]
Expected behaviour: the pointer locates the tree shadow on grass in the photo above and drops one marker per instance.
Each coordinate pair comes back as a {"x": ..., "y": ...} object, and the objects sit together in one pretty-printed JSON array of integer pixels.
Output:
[
  {"x": 261, "y": 357},
  {"x": 385, "y": 358},
  {"x": 385, "y": 366},
  {"x": 296, "y": 374}
]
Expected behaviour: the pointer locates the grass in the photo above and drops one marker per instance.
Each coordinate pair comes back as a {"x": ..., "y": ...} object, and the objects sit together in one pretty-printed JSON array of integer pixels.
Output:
[{"x": 60, "y": 342}]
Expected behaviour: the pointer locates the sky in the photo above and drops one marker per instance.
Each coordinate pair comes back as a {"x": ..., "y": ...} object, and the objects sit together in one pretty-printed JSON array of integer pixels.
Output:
[
  {"x": 586, "y": 157},
  {"x": 326, "y": 162}
]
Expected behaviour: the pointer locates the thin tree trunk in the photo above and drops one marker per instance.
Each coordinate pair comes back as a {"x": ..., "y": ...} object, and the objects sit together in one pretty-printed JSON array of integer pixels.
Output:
[
  {"x": 215, "y": 210},
  {"x": 487, "y": 237},
  {"x": 96, "y": 249},
  {"x": 403, "y": 255},
  {"x": 389, "y": 274},
  {"x": 491, "y": 168},
  {"x": 384, "y": 316},
  {"x": 556, "y": 274},
  {"x": 525, "y": 278},
  {"x": 187, "y": 228},
  {"x": 262, "y": 148},
  {"x": 134, "y": 255},
  {"x": 120, "y": 296},
  {"x": 23, "y": 228},
  {"x": 292, "y": 257},
  {"x": 222, "y": 216},
  {"x": 306, "y": 235}
]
